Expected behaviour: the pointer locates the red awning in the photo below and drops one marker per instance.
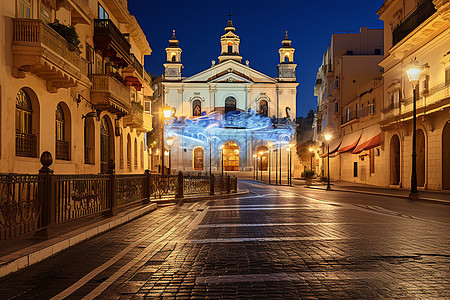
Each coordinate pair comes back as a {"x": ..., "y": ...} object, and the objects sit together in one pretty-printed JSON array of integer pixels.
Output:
[
  {"x": 334, "y": 146},
  {"x": 350, "y": 141},
  {"x": 370, "y": 138}
]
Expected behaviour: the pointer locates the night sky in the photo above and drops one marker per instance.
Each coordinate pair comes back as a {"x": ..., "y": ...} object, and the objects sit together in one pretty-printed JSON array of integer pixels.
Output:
[{"x": 261, "y": 26}]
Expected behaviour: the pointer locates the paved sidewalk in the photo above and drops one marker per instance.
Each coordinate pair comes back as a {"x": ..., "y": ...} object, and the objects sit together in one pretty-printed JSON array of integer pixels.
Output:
[
  {"x": 26, "y": 250},
  {"x": 442, "y": 197}
]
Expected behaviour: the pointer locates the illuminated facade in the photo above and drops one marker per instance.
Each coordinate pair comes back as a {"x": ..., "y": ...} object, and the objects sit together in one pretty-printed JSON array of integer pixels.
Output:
[
  {"x": 229, "y": 105},
  {"x": 84, "y": 99}
]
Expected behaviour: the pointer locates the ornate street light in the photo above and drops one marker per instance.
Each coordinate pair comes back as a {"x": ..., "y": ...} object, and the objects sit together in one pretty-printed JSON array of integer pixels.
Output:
[
  {"x": 269, "y": 146},
  {"x": 328, "y": 138},
  {"x": 170, "y": 144},
  {"x": 255, "y": 171},
  {"x": 167, "y": 114},
  {"x": 413, "y": 72}
]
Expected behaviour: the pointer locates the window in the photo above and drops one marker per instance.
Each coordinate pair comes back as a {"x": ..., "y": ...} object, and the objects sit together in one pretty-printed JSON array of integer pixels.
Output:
[
  {"x": 377, "y": 51},
  {"x": 62, "y": 145},
  {"x": 45, "y": 14},
  {"x": 230, "y": 104},
  {"x": 102, "y": 14},
  {"x": 372, "y": 160},
  {"x": 26, "y": 142},
  {"x": 174, "y": 58},
  {"x": 196, "y": 108},
  {"x": 263, "y": 108},
  {"x": 24, "y": 9},
  {"x": 336, "y": 107},
  {"x": 447, "y": 77},
  {"x": 129, "y": 152},
  {"x": 347, "y": 115},
  {"x": 121, "y": 152},
  {"x": 230, "y": 48},
  {"x": 89, "y": 141},
  {"x": 90, "y": 58},
  {"x": 135, "y": 154},
  {"x": 355, "y": 169}
]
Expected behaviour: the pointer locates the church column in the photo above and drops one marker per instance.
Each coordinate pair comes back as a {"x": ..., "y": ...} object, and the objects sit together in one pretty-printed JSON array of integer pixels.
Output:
[
  {"x": 278, "y": 103},
  {"x": 247, "y": 91}
]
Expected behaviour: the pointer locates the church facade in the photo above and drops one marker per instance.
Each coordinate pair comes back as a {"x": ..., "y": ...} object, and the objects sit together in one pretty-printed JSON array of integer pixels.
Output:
[{"x": 229, "y": 116}]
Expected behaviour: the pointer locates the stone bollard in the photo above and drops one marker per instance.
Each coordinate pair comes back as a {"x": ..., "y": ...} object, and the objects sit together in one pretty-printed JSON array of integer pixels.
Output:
[{"x": 47, "y": 197}]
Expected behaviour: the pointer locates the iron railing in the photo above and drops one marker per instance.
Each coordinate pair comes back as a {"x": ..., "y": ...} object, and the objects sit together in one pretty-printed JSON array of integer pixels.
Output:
[
  {"x": 31, "y": 203},
  {"x": 26, "y": 144},
  {"x": 106, "y": 31},
  {"x": 62, "y": 150},
  {"x": 425, "y": 10}
]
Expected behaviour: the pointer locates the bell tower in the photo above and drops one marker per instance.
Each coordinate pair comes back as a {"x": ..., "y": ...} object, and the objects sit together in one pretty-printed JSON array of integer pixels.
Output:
[
  {"x": 286, "y": 67},
  {"x": 173, "y": 66},
  {"x": 230, "y": 43}
]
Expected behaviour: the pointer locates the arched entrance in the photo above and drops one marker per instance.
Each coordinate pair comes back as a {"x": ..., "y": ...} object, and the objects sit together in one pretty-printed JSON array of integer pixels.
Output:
[
  {"x": 198, "y": 159},
  {"x": 446, "y": 157},
  {"x": 231, "y": 156},
  {"x": 420, "y": 149},
  {"x": 263, "y": 161},
  {"x": 106, "y": 143},
  {"x": 395, "y": 160}
]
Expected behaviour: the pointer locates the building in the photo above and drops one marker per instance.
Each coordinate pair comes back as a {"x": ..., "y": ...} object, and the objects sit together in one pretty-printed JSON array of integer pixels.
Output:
[
  {"x": 416, "y": 30},
  {"x": 348, "y": 68},
  {"x": 72, "y": 82},
  {"x": 230, "y": 106}
]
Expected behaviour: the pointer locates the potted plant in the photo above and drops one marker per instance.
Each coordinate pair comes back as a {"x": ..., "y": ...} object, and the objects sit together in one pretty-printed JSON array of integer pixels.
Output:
[
  {"x": 309, "y": 175},
  {"x": 68, "y": 33}
]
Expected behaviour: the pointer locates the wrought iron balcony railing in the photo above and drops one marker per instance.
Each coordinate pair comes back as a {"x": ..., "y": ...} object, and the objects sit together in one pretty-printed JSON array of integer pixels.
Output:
[
  {"x": 26, "y": 144},
  {"x": 62, "y": 150}
]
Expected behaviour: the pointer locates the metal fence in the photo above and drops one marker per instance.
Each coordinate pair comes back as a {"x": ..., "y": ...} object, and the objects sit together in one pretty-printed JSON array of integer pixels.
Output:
[{"x": 30, "y": 203}]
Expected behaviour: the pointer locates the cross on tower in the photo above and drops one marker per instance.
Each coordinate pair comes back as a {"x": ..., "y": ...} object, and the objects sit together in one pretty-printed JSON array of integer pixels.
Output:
[{"x": 230, "y": 15}]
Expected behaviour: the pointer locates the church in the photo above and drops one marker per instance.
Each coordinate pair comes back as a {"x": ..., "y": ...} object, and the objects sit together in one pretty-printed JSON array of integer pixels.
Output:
[{"x": 229, "y": 116}]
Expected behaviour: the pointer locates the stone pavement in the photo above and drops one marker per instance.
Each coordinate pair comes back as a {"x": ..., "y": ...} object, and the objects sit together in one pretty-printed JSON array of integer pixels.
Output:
[{"x": 275, "y": 243}]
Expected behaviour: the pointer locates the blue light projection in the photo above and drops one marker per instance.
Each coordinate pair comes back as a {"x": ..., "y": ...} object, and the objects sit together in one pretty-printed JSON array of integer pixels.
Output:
[{"x": 222, "y": 128}]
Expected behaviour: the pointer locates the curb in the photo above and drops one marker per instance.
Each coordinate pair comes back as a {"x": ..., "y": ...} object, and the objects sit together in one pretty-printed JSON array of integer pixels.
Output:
[
  {"x": 438, "y": 201},
  {"x": 194, "y": 198},
  {"x": 26, "y": 257}
]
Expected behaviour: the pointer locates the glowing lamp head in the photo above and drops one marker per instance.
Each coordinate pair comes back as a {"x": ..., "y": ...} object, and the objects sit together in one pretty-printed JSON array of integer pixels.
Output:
[
  {"x": 166, "y": 153},
  {"x": 221, "y": 147},
  {"x": 311, "y": 149},
  {"x": 236, "y": 151},
  {"x": 167, "y": 111},
  {"x": 254, "y": 155},
  {"x": 270, "y": 144},
  {"x": 413, "y": 72},
  {"x": 328, "y": 137},
  {"x": 170, "y": 141}
]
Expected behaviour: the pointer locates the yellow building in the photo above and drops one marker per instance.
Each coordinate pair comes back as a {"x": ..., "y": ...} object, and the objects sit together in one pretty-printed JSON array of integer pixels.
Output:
[
  {"x": 82, "y": 96},
  {"x": 416, "y": 30}
]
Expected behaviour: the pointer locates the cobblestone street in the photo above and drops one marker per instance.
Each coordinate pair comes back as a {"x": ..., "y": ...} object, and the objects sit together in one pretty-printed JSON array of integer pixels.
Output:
[{"x": 274, "y": 243}]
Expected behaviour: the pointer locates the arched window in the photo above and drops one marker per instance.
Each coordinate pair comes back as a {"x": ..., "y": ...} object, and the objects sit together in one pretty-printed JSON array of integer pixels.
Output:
[
  {"x": 89, "y": 141},
  {"x": 286, "y": 58},
  {"x": 230, "y": 104},
  {"x": 121, "y": 151},
  {"x": 263, "y": 108},
  {"x": 106, "y": 143},
  {"x": 196, "y": 108},
  {"x": 129, "y": 153},
  {"x": 230, "y": 47},
  {"x": 198, "y": 159},
  {"x": 62, "y": 145},
  {"x": 142, "y": 154},
  {"x": 26, "y": 141},
  {"x": 174, "y": 58},
  {"x": 230, "y": 156},
  {"x": 262, "y": 153},
  {"x": 135, "y": 154}
]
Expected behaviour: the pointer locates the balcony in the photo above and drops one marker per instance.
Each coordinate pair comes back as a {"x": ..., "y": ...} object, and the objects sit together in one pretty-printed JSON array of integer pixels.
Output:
[
  {"x": 137, "y": 119},
  {"x": 109, "y": 94},
  {"x": 38, "y": 49},
  {"x": 112, "y": 43},
  {"x": 422, "y": 13}
]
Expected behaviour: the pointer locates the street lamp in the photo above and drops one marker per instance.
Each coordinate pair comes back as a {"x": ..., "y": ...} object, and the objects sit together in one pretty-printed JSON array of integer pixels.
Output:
[
  {"x": 270, "y": 145},
  {"x": 167, "y": 114},
  {"x": 328, "y": 138},
  {"x": 221, "y": 150},
  {"x": 413, "y": 73},
  {"x": 289, "y": 149},
  {"x": 261, "y": 168},
  {"x": 311, "y": 150},
  {"x": 255, "y": 171},
  {"x": 170, "y": 144}
]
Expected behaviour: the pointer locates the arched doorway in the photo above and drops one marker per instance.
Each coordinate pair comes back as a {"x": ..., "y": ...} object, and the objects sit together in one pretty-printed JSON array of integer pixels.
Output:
[
  {"x": 27, "y": 123},
  {"x": 263, "y": 108},
  {"x": 231, "y": 156},
  {"x": 129, "y": 153},
  {"x": 89, "y": 141},
  {"x": 198, "y": 159},
  {"x": 446, "y": 157},
  {"x": 395, "y": 160},
  {"x": 106, "y": 143},
  {"x": 263, "y": 161},
  {"x": 62, "y": 129},
  {"x": 420, "y": 149}
]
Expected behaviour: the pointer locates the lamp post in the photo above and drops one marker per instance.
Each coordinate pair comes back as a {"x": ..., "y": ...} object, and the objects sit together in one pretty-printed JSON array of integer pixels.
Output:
[
  {"x": 167, "y": 114},
  {"x": 276, "y": 166},
  {"x": 170, "y": 144},
  {"x": 311, "y": 150},
  {"x": 255, "y": 171},
  {"x": 289, "y": 149},
  {"x": 280, "y": 162},
  {"x": 413, "y": 73},
  {"x": 261, "y": 168},
  {"x": 221, "y": 154},
  {"x": 328, "y": 138},
  {"x": 270, "y": 145}
]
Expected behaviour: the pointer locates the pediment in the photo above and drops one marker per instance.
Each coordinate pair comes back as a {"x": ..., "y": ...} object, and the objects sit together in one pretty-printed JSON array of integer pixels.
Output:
[{"x": 221, "y": 72}]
